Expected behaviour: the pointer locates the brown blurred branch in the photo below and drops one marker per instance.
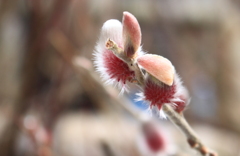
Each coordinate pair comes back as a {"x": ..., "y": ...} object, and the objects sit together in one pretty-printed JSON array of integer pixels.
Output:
[
  {"x": 89, "y": 81},
  {"x": 31, "y": 76}
]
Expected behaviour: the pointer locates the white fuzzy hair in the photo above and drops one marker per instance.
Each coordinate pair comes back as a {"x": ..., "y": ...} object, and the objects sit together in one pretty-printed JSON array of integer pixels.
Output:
[
  {"x": 111, "y": 29},
  {"x": 180, "y": 91}
]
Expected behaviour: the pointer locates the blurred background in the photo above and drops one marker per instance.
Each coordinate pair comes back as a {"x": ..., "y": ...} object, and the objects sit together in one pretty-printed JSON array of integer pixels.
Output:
[{"x": 52, "y": 103}]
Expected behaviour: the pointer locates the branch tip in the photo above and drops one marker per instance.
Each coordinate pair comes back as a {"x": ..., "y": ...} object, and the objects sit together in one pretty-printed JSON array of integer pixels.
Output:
[{"x": 110, "y": 44}]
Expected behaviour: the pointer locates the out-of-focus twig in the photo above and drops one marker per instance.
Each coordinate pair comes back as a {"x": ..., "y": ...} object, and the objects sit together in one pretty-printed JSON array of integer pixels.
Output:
[{"x": 88, "y": 78}]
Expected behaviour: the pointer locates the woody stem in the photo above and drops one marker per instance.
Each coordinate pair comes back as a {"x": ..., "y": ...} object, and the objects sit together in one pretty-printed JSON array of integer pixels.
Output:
[{"x": 183, "y": 125}]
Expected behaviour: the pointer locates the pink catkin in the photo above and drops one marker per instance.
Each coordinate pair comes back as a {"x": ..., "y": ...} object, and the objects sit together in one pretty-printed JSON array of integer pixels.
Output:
[
  {"x": 155, "y": 140},
  {"x": 161, "y": 94},
  {"x": 116, "y": 68}
]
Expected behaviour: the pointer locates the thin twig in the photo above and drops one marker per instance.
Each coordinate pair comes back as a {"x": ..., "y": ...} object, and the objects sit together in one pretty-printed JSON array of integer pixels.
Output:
[{"x": 182, "y": 124}]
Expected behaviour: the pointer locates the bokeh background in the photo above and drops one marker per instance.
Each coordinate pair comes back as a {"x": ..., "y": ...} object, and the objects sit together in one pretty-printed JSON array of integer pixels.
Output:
[{"x": 52, "y": 103}]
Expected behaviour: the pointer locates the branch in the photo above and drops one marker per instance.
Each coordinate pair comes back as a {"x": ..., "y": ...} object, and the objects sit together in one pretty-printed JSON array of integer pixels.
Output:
[{"x": 183, "y": 125}]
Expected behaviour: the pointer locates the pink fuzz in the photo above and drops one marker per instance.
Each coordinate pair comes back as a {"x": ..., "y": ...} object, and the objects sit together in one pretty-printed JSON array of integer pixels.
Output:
[
  {"x": 159, "y": 94},
  {"x": 116, "y": 68}
]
